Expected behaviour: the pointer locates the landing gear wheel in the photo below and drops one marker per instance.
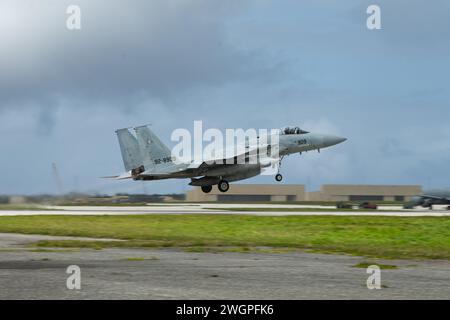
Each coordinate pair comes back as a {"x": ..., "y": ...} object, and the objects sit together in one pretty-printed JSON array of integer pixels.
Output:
[
  {"x": 278, "y": 177},
  {"x": 206, "y": 189},
  {"x": 223, "y": 186}
]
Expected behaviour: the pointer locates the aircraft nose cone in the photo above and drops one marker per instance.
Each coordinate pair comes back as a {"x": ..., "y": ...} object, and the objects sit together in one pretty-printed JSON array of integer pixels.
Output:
[
  {"x": 332, "y": 140},
  {"x": 340, "y": 139}
]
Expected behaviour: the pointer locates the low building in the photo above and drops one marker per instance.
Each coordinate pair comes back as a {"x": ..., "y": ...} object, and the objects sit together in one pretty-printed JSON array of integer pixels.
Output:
[
  {"x": 357, "y": 192},
  {"x": 296, "y": 192},
  {"x": 250, "y": 192},
  {"x": 17, "y": 200}
]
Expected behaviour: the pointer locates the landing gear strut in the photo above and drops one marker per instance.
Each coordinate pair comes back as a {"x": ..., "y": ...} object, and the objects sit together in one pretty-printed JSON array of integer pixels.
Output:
[
  {"x": 223, "y": 186},
  {"x": 278, "y": 176},
  {"x": 206, "y": 189}
]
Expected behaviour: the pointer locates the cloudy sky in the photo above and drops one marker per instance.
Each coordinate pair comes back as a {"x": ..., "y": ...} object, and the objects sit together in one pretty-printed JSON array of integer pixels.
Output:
[{"x": 231, "y": 64}]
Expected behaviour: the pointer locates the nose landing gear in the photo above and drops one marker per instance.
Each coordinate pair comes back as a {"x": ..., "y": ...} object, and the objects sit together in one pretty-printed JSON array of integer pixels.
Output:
[{"x": 278, "y": 176}]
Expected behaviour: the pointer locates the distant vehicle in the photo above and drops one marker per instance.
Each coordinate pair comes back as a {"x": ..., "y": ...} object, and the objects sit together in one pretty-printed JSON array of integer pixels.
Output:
[
  {"x": 368, "y": 205},
  {"x": 429, "y": 198},
  {"x": 344, "y": 205}
]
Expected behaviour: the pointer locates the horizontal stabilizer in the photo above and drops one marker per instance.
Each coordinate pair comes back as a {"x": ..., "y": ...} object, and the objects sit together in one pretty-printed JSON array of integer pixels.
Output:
[{"x": 125, "y": 175}]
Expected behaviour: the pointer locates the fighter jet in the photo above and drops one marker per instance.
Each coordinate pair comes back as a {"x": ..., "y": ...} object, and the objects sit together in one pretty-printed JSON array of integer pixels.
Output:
[
  {"x": 146, "y": 157},
  {"x": 429, "y": 198}
]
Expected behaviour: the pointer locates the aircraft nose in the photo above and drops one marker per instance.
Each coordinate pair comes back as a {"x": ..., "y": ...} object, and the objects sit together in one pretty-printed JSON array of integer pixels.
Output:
[
  {"x": 340, "y": 139},
  {"x": 332, "y": 140}
]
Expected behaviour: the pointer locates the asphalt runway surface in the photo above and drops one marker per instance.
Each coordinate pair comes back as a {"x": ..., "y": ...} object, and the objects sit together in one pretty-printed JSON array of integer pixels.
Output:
[
  {"x": 174, "y": 274},
  {"x": 218, "y": 208}
]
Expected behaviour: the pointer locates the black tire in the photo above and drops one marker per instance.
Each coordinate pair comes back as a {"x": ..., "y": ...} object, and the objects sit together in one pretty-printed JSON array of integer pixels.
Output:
[
  {"x": 278, "y": 177},
  {"x": 223, "y": 186},
  {"x": 206, "y": 189}
]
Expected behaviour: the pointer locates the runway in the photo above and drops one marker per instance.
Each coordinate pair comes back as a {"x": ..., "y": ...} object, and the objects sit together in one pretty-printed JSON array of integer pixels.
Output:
[
  {"x": 174, "y": 274},
  {"x": 225, "y": 208},
  {"x": 28, "y": 272}
]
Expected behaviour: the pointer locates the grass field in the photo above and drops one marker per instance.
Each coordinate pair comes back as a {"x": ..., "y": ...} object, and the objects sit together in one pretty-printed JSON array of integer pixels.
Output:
[{"x": 371, "y": 236}]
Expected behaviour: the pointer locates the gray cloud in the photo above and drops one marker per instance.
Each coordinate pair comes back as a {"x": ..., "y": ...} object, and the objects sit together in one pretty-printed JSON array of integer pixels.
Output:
[
  {"x": 124, "y": 52},
  {"x": 260, "y": 64}
]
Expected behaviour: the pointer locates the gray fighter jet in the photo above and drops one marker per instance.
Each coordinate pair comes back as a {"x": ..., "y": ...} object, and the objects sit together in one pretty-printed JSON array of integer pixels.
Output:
[
  {"x": 429, "y": 198},
  {"x": 145, "y": 157}
]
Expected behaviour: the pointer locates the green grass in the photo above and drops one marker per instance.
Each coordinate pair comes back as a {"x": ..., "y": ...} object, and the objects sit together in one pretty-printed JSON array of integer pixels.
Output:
[
  {"x": 365, "y": 264},
  {"x": 372, "y": 236},
  {"x": 52, "y": 250},
  {"x": 243, "y": 249},
  {"x": 140, "y": 259}
]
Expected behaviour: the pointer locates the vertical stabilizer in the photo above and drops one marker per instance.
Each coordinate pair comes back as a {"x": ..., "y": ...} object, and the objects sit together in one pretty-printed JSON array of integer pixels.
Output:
[
  {"x": 154, "y": 152},
  {"x": 129, "y": 148}
]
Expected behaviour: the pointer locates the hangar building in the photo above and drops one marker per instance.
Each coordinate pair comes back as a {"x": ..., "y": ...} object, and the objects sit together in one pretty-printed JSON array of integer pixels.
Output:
[
  {"x": 296, "y": 192},
  {"x": 250, "y": 192},
  {"x": 355, "y": 192}
]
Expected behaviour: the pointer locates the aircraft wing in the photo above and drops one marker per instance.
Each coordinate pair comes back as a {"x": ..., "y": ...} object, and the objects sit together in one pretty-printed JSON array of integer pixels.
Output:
[
  {"x": 224, "y": 156},
  {"x": 434, "y": 197},
  {"x": 172, "y": 168},
  {"x": 162, "y": 170}
]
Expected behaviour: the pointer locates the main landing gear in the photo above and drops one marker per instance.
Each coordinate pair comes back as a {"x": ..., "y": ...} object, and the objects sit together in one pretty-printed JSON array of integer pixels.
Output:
[
  {"x": 206, "y": 189},
  {"x": 223, "y": 186}
]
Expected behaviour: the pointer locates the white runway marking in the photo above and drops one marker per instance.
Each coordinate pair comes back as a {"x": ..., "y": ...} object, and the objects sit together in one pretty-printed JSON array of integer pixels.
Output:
[{"x": 221, "y": 208}]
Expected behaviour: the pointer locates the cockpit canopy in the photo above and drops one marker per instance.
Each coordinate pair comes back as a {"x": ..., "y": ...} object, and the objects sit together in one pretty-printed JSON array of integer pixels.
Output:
[{"x": 293, "y": 130}]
